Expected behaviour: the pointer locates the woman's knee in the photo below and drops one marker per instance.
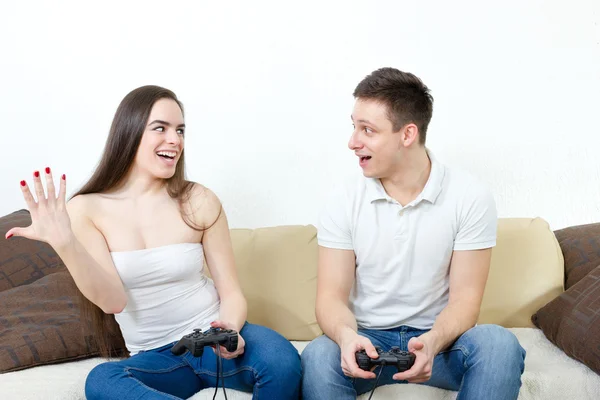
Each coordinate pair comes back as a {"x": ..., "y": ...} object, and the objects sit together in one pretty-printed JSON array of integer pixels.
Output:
[
  {"x": 288, "y": 365},
  {"x": 101, "y": 379},
  {"x": 273, "y": 353}
]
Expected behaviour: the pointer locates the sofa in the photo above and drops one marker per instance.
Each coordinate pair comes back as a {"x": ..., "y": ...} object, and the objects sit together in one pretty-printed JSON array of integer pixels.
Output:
[{"x": 277, "y": 267}]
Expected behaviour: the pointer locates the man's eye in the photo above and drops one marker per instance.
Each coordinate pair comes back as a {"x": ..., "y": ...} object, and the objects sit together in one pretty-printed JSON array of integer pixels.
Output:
[{"x": 368, "y": 130}]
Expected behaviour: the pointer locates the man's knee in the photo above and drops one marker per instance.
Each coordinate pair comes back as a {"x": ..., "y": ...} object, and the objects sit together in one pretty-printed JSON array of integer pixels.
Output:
[
  {"x": 321, "y": 353},
  {"x": 497, "y": 345},
  {"x": 322, "y": 375}
]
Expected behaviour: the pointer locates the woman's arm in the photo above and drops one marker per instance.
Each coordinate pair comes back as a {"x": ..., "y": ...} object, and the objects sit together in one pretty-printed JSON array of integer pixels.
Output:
[
  {"x": 71, "y": 233},
  {"x": 218, "y": 251}
]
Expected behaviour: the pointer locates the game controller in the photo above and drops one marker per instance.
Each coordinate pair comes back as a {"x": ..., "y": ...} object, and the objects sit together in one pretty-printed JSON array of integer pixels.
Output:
[
  {"x": 402, "y": 360},
  {"x": 197, "y": 340}
]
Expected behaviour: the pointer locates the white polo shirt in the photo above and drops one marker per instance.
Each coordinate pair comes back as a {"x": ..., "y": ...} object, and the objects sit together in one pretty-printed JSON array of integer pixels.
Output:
[{"x": 403, "y": 253}]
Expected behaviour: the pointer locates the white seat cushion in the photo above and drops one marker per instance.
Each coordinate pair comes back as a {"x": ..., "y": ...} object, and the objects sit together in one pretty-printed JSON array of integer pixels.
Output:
[{"x": 549, "y": 374}]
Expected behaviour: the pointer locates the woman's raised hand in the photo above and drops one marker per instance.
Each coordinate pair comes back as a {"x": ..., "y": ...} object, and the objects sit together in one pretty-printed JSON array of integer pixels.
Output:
[{"x": 50, "y": 221}]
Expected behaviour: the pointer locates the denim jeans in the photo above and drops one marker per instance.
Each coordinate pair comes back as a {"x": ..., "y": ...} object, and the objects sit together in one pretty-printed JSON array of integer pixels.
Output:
[
  {"x": 269, "y": 368},
  {"x": 486, "y": 362}
]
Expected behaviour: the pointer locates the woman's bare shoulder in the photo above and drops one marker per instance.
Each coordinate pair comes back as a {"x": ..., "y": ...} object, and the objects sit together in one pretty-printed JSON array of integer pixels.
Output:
[
  {"x": 203, "y": 204},
  {"x": 83, "y": 205}
]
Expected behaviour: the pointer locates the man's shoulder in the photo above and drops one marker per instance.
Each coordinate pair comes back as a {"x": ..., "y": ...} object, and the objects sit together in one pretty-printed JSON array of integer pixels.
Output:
[
  {"x": 468, "y": 195},
  {"x": 344, "y": 197}
]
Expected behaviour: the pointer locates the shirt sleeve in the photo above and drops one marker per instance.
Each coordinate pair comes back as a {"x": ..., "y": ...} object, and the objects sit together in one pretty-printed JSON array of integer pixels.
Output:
[
  {"x": 479, "y": 221},
  {"x": 334, "y": 226}
]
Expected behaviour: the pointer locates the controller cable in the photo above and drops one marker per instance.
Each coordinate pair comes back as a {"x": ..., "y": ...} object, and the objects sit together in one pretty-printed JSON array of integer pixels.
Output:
[
  {"x": 219, "y": 370},
  {"x": 377, "y": 380}
]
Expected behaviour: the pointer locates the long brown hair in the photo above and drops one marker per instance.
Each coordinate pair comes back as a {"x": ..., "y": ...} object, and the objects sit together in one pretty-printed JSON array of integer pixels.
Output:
[{"x": 124, "y": 138}]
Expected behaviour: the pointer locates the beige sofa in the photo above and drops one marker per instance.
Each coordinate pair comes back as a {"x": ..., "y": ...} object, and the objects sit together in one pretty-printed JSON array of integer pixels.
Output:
[{"x": 277, "y": 268}]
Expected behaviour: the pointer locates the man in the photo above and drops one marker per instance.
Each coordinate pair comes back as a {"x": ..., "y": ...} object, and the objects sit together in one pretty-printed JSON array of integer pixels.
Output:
[{"x": 404, "y": 254}]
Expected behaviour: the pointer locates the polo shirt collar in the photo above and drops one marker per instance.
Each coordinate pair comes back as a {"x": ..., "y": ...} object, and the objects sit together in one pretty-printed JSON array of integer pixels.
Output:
[{"x": 431, "y": 191}]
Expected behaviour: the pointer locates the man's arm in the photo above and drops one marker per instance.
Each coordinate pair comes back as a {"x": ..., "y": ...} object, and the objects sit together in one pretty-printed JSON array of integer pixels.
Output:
[
  {"x": 334, "y": 281},
  {"x": 469, "y": 268},
  {"x": 468, "y": 275}
]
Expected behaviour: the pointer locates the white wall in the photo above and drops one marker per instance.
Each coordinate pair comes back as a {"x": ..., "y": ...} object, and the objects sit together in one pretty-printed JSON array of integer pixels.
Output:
[{"x": 267, "y": 89}]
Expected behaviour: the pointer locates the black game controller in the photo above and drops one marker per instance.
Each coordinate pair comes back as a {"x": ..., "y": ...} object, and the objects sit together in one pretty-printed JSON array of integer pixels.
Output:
[
  {"x": 403, "y": 360},
  {"x": 196, "y": 341}
]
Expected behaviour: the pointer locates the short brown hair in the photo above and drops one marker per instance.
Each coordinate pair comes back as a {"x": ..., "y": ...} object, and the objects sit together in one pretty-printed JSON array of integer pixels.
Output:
[{"x": 407, "y": 98}]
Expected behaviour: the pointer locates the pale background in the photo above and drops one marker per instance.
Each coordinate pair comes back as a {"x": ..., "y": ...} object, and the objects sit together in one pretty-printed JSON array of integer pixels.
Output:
[{"x": 267, "y": 90}]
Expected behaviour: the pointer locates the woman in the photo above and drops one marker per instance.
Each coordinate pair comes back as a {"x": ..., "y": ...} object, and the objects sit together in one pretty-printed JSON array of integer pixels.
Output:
[{"x": 134, "y": 239}]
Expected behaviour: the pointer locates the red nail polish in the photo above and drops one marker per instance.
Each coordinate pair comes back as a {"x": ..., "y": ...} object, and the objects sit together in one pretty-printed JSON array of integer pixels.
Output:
[
  {"x": 23, "y": 183},
  {"x": 36, "y": 174},
  {"x": 9, "y": 236},
  {"x": 64, "y": 177},
  {"x": 47, "y": 170}
]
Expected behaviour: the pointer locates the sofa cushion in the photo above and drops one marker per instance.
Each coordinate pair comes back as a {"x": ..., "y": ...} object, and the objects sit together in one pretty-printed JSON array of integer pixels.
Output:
[
  {"x": 23, "y": 261},
  {"x": 572, "y": 320},
  {"x": 526, "y": 272},
  {"x": 277, "y": 268},
  {"x": 40, "y": 324},
  {"x": 526, "y": 248},
  {"x": 580, "y": 246}
]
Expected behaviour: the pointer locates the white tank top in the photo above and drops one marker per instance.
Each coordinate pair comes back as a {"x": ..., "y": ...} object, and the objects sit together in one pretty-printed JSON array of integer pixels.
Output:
[{"x": 168, "y": 294}]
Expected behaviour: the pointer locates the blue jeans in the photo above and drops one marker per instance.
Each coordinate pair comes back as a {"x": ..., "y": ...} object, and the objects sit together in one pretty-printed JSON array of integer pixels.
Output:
[
  {"x": 269, "y": 368},
  {"x": 486, "y": 362}
]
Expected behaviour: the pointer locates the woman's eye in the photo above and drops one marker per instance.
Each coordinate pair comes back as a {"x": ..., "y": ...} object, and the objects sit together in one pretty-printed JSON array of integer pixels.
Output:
[
  {"x": 368, "y": 130},
  {"x": 180, "y": 131},
  {"x": 159, "y": 128}
]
